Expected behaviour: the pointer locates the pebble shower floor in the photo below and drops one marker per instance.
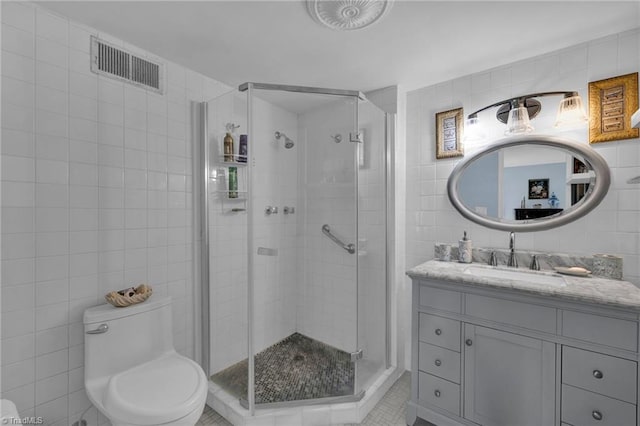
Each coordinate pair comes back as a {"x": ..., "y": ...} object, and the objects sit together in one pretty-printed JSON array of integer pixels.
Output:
[{"x": 296, "y": 368}]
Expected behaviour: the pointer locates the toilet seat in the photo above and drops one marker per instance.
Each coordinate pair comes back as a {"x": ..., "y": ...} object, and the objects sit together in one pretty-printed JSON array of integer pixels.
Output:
[{"x": 159, "y": 391}]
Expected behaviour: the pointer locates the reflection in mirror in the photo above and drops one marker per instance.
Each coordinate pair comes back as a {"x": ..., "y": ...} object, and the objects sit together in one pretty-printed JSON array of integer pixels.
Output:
[{"x": 529, "y": 183}]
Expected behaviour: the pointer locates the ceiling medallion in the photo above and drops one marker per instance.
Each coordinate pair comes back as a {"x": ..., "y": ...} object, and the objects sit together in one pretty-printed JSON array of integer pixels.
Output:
[{"x": 347, "y": 15}]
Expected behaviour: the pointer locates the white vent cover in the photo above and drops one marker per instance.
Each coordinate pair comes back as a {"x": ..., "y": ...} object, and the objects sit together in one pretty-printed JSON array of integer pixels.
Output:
[{"x": 117, "y": 63}]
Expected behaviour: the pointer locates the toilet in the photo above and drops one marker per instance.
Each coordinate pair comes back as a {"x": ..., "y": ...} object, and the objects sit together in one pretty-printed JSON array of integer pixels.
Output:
[{"x": 133, "y": 374}]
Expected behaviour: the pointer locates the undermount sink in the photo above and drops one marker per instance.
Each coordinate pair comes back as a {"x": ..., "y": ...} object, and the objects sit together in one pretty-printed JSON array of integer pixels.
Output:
[{"x": 533, "y": 277}]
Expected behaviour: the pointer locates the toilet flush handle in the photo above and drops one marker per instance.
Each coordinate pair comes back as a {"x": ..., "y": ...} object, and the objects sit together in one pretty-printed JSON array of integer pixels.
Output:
[{"x": 102, "y": 328}]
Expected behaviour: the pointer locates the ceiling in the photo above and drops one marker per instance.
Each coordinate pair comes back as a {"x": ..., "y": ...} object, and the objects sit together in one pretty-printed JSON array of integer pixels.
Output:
[{"x": 418, "y": 43}]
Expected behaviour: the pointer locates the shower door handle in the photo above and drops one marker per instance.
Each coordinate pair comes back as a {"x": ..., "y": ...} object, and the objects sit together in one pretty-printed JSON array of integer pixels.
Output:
[{"x": 348, "y": 247}]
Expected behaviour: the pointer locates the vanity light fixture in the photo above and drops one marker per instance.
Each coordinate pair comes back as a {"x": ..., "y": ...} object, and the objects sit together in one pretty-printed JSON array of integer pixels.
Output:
[{"x": 517, "y": 113}]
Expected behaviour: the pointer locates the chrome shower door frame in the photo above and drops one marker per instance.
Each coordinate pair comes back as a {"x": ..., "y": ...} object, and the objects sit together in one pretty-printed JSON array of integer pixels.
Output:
[{"x": 204, "y": 151}]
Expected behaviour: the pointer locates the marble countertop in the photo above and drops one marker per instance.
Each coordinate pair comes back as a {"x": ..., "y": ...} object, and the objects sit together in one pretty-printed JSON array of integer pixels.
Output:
[{"x": 595, "y": 290}]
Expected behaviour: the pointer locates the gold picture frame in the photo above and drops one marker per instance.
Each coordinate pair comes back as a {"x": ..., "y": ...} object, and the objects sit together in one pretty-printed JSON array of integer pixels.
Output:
[
  {"x": 611, "y": 103},
  {"x": 449, "y": 128}
]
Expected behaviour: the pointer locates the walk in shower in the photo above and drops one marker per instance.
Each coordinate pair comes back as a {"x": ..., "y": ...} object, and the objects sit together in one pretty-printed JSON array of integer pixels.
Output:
[{"x": 294, "y": 254}]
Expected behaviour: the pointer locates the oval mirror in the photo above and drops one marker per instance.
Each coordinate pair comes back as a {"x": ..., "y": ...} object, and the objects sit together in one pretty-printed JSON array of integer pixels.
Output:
[{"x": 529, "y": 183}]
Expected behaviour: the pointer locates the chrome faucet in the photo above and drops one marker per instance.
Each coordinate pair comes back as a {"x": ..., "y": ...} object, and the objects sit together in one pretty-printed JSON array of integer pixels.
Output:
[
  {"x": 535, "y": 265},
  {"x": 513, "y": 262}
]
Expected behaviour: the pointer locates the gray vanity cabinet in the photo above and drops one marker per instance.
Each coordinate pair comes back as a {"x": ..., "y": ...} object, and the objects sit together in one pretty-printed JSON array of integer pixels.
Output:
[
  {"x": 509, "y": 379},
  {"x": 490, "y": 357}
]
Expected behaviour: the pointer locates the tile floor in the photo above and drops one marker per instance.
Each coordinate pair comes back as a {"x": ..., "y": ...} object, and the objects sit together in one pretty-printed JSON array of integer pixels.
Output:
[{"x": 389, "y": 411}]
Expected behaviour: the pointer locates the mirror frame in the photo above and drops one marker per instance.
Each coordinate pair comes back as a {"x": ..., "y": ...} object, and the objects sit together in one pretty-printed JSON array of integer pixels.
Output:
[{"x": 598, "y": 186}]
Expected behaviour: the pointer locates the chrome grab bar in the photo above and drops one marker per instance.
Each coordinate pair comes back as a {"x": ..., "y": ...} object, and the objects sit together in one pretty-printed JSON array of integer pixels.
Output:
[
  {"x": 348, "y": 247},
  {"x": 102, "y": 328}
]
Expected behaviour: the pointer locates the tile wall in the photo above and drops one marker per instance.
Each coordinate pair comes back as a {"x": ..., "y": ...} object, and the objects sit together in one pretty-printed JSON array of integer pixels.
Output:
[
  {"x": 613, "y": 227},
  {"x": 96, "y": 196}
]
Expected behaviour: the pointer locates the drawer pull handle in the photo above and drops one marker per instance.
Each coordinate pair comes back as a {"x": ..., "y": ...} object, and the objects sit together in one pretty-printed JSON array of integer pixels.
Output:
[
  {"x": 437, "y": 394},
  {"x": 598, "y": 374},
  {"x": 438, "y": 332},
  {"x": 597, "y": 415},
  {"x": 438, "y": 363},
  {"x": 469, "y": 342}
]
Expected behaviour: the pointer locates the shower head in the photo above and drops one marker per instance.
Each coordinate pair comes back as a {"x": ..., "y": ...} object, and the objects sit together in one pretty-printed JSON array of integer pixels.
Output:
[{"x": 288, "y": 143}]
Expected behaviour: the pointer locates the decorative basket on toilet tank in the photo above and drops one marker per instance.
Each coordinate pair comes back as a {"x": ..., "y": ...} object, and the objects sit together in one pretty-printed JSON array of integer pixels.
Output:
[{"x": 129, "y": 296}]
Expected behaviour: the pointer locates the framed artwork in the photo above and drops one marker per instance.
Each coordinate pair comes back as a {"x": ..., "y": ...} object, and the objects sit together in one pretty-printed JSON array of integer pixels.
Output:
[
  {"x": 449, "y": 125},
  {"x": 579, "y": 166},
  {"x": 538, "y": 189},
  {"x": 611, "y": 103}
]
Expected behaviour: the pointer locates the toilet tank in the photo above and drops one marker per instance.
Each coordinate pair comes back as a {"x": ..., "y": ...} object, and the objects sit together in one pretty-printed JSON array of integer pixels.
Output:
[{"x": 135, "y": 334}]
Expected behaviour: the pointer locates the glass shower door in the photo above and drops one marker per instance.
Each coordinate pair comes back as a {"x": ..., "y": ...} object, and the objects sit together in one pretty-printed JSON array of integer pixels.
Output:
[
  {"x": 372, "y": 244},
  {"x": 302, "y": 284}
]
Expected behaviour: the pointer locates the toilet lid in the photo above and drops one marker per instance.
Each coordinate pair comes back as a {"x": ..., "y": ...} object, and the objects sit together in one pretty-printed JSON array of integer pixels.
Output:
[{"x": 159, "y": 391}]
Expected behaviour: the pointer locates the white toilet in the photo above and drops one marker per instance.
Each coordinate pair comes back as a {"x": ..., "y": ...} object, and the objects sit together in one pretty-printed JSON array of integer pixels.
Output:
[{"x": 133, "y": 374}]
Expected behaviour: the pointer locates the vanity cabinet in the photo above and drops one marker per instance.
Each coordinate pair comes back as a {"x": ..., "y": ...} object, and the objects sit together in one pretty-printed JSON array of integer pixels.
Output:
[
  {"x": 509, "y": 379},
  {"x": 483, "y": 356}
]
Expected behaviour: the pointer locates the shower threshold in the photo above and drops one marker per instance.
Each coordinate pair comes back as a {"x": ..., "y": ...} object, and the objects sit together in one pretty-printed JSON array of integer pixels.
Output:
[{"x": 298, "y": 368}]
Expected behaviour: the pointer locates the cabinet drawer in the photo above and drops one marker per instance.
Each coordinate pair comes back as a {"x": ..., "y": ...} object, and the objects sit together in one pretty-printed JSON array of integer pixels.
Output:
[
  {"x": 534, "y": 317},
  {"x": 444, "y": 300},
  {"x": 439, "y": 392},
  {"x": 443, "y": 332},
  {"x": 607, "y": 375},
  {"x": 614, "y": 332},
  {"x": 439, "y": 361},
  {"x": 580, "y": 407}
]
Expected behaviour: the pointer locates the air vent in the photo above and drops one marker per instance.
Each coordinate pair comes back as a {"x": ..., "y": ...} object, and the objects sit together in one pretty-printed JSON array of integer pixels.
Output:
[{"x": 117, "y": 63}]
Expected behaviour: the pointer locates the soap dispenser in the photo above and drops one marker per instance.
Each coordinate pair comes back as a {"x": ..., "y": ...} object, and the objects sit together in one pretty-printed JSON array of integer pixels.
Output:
[{"x": 464, "y": 249}]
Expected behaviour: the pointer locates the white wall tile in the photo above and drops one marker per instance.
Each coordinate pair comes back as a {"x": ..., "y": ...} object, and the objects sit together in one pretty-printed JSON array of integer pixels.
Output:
[
  {"x": 83, "y": 84},
  {"x": 83, "y": 107},
  {"x": 17, "y": 323},
  {"x": 50, "y": 123},
  {"x": 16, "y": 272},
  {"x": 52, "y": 244},
  {"x": 18, "y": 348},
  {"x": 52, "y": 147},
  {"x": 17, "y": 92},
  {"x": 79, "y": 37},
  {"x": 18, "y": 143},
  {"x": 52, "y": 195},
  {"x": 18, "y": 194},
  {"x": 52, "y": 340},
  {"x": 52, "y": 52},
  {"x": 17, "y": 374},
  {"x": 18, "y": 118},
  {"x": 18, "y": 169},
  {"x": 20, "y": 15},
  {"x": 51, "y": 26},
  {"x": 18, "y": 67},
  {"x": 18, "y": 297},
  {"x": 17, "y": 219},
  {"x": 51, "y": 388},
  {"x": 54, "y": 172},
  {"x": 52, "y": 76}
]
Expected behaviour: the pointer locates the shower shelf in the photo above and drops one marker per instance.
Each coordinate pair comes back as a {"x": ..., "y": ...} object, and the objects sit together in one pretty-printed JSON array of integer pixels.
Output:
[
  {"x": 231, "y": 163},
  {"x": 242, "y": 195}
]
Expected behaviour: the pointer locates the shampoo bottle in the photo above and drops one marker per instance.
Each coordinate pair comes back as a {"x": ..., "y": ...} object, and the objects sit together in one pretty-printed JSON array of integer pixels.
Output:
[
  {"x": 464, "y": 249},
  {"x": 228, "y": 148},
  {"x": 233, "y": 182},
  {"x": 242, "y": 149}
]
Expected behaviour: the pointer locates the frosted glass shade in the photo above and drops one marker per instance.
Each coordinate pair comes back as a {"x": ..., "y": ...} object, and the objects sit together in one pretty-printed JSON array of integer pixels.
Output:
[
  {"x": 518, "y": 122},
  {"x": 473, "y": 130},
  {"x": 571, "y": 112}
]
